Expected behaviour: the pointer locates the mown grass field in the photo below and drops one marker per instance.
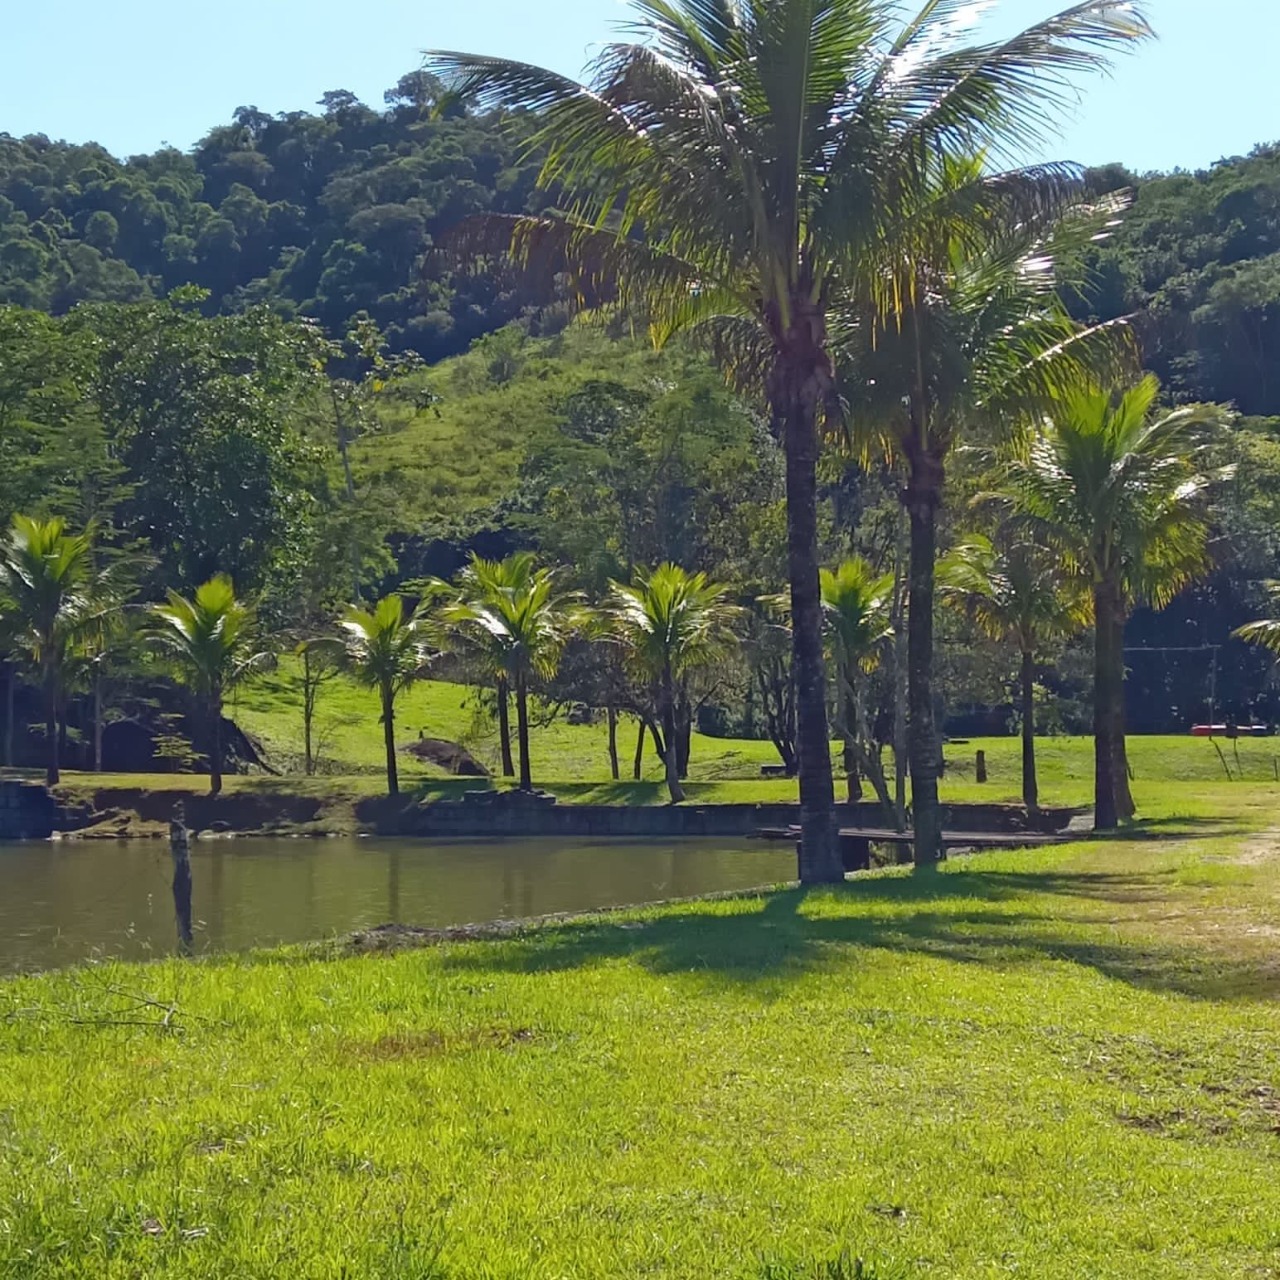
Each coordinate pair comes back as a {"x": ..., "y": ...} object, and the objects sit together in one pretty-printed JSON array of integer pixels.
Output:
[
  {"x": 1060, "y": 1064},
  {"x": 572, "y": 760}
]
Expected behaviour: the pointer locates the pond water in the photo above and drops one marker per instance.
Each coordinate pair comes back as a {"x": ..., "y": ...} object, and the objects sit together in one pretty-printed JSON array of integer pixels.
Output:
[{"x": 67, "y": 901}]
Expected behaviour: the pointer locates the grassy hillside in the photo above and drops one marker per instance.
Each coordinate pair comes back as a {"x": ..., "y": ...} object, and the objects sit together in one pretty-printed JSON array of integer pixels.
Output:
[
  {"x": 452, "y": 461},
  {"x": 1053, "y": 1064}
]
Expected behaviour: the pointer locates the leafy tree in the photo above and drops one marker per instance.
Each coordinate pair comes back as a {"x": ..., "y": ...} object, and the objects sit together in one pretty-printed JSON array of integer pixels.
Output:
[
  {"x": 1017, "y": 592},
  {"x": 856, "y": 602},
  {"x": 671, "y": 623},
  {"x": 388, "y": 648},
  {"x": 209, "y": 639},
  {"x": 202, "y": 416},
  {"x": 519, "y": 618},
  {"x": 53, "y": 597},
  {"x": 775, "y": 153},
  {"x": 1116, "y": 486}
]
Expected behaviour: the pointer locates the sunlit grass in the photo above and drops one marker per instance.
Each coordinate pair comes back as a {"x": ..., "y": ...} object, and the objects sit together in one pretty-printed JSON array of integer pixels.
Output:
[{"x": 1058, "y": 1064}]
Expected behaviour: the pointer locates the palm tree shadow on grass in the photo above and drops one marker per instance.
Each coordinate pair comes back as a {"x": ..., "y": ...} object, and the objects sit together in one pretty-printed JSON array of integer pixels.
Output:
[{"x": 768, "y": 948}]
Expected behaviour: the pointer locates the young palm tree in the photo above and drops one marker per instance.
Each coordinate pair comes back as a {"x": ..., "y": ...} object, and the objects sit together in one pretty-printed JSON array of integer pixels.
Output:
[
  {"x": 521, "y": 619},
  {"x": 738, "y": 165},
  {"x": 672, "y": 623},
  {"x": 1115, "y": 486},
  {"x": 209, "y": 639},
  {"x": 977, "y": 342},
  {"x": 53, "y": 597},
  {"x": 857, "y": 603},
  {"x": 483, "y": 582},
  {"x": 1017, "y": 593},
  {"x": 388, "y": 648}
]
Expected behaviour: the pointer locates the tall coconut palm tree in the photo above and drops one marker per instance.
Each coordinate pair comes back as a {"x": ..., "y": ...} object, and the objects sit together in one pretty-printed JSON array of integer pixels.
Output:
[
  {"x": 210, "y": 641},
  {"x": 481, "y": 583},
  {"x": 672, "y": 623},
  {"x": 521, "y": 618},
  {"x": 976, "y": 342},
  {"x": 735, "y": 166},
  {"x": 54, "y": 596},
  {"x": 1017, "y": 592},
  {"x": 388, "y": 648},
  {"x": 1117, "y": 486},
  {"x": 857, "y": 603}
]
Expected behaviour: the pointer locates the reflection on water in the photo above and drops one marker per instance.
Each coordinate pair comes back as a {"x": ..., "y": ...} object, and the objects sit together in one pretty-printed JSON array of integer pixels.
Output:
[{"x": 69, "y": 900}]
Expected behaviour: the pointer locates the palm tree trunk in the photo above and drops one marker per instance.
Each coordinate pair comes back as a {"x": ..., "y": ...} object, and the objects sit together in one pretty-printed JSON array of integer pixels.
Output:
[
  {"x": 1105, "y": 605},
  {"x": 670, "y": 753},
  {"x": 900, "y": 675},
  {"x": 10, "y": 697},
  {"x": 797, "y": 385},
  {"x": 51, "y": 774},
  {"x": 522, "y": 728},
  {"x": 612, "y": 713},
  {"x": 923, "y": 497},
  {"x": 636, "y": 769},
  {"x": 215, "y": 746},
  {"x": 848, "y": 734},
  {"x": 1125, "y": 808},
  {"x": 504, "y": 727},
  {"x": 389, "y": 741},
  {"x": 97, "y": 721},
  {"x": 684, "y": 734},
  {"x": 1030, "y": 788}
]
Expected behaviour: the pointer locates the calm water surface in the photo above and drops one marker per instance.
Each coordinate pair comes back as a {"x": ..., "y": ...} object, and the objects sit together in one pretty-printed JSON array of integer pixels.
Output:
[{"x": 67, "y": 901}]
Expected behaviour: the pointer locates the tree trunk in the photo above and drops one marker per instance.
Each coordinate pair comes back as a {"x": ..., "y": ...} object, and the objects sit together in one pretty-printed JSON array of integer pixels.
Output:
[
  {"x": 1125, "y": 808},
  {"x": 215, "y": 746},
  {"x": 684, "y": 734},
  {"x": 52, "y": 775},
  {"x": 97, "y": 720},
  {"x": 900, "y": 675},
  {"x": 10, "y": 696},
  {"x": 389, "y": 741},
  {"x": 923, "y": 496},
  {"x": 504, "y": 727},
  {"x": 848, "y": 734},
  {"x": 799, "y": 382},
  {"x": 671, "y": 754},
  {"x": 1030, "y": 788},
  {"x": 522, "y": 729},
  {"x": 308, "y": 712},
  {"x": 1105, "y": 606},
  {"x": 612, "y": 713},
  {"x": 637, "y": 769}
]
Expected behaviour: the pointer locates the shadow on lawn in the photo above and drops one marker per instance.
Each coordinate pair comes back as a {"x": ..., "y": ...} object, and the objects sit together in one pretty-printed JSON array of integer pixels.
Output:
[{"x": 970, "y": 917}]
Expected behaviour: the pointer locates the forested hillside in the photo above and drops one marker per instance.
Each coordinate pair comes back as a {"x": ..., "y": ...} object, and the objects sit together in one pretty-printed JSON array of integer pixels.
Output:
[
  {"x": 325, "y": 215},
  {"x": 333, "y": 213}
]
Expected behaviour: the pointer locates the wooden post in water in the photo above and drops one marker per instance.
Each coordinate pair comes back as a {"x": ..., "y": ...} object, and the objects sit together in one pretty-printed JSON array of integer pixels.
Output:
[
  {"x": 981, "y": 766},
  {"x": 180, "y": 849}
]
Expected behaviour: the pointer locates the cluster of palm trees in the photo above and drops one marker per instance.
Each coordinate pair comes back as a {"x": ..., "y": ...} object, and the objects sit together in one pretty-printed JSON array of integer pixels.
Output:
[{"x": 813, "y": 188}]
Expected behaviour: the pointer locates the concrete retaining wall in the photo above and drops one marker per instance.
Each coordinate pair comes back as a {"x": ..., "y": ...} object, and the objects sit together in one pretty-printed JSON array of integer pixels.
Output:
[
  {"x": 511, "y": 817},
  {"x": 27, "y": 811}
]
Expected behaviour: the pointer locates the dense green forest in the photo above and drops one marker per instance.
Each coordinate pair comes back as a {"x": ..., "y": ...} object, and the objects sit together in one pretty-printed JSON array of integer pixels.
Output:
[{"x": 250, "y": 359}]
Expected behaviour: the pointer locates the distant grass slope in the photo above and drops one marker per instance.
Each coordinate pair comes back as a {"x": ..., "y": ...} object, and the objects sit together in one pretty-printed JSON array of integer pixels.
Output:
[
  {"x": 456, "y": 459},
  {"x": 573, "y": 759},
  {"x": 1054, "y": 1064}
]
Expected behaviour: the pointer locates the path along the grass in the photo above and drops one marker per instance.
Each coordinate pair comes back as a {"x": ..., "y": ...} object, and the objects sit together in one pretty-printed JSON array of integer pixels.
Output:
[{"x": 1058, "y": 1064}]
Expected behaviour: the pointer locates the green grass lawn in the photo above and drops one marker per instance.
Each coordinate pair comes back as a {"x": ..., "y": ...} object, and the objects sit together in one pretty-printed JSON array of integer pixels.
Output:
[
  {"x": 572, "y": 760},
  {"x": 1057, "y": 1064}
]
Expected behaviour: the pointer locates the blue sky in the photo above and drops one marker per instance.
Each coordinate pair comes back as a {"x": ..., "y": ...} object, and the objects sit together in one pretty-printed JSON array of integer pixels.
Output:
[{"x": 141, "y": 72}]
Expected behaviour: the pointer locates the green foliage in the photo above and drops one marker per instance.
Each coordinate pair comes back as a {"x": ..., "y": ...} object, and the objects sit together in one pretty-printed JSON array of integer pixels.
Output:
[
  {"x": 208, "y": 638},
  {"x": 331, "y": 216},
  {"x": 1199, "y": 256}
]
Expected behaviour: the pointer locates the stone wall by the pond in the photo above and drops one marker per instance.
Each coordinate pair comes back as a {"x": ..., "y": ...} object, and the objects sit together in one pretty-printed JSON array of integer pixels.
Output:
[
  {"x": 511, "y": 816},
  {"x": 27, "y": 811}
]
